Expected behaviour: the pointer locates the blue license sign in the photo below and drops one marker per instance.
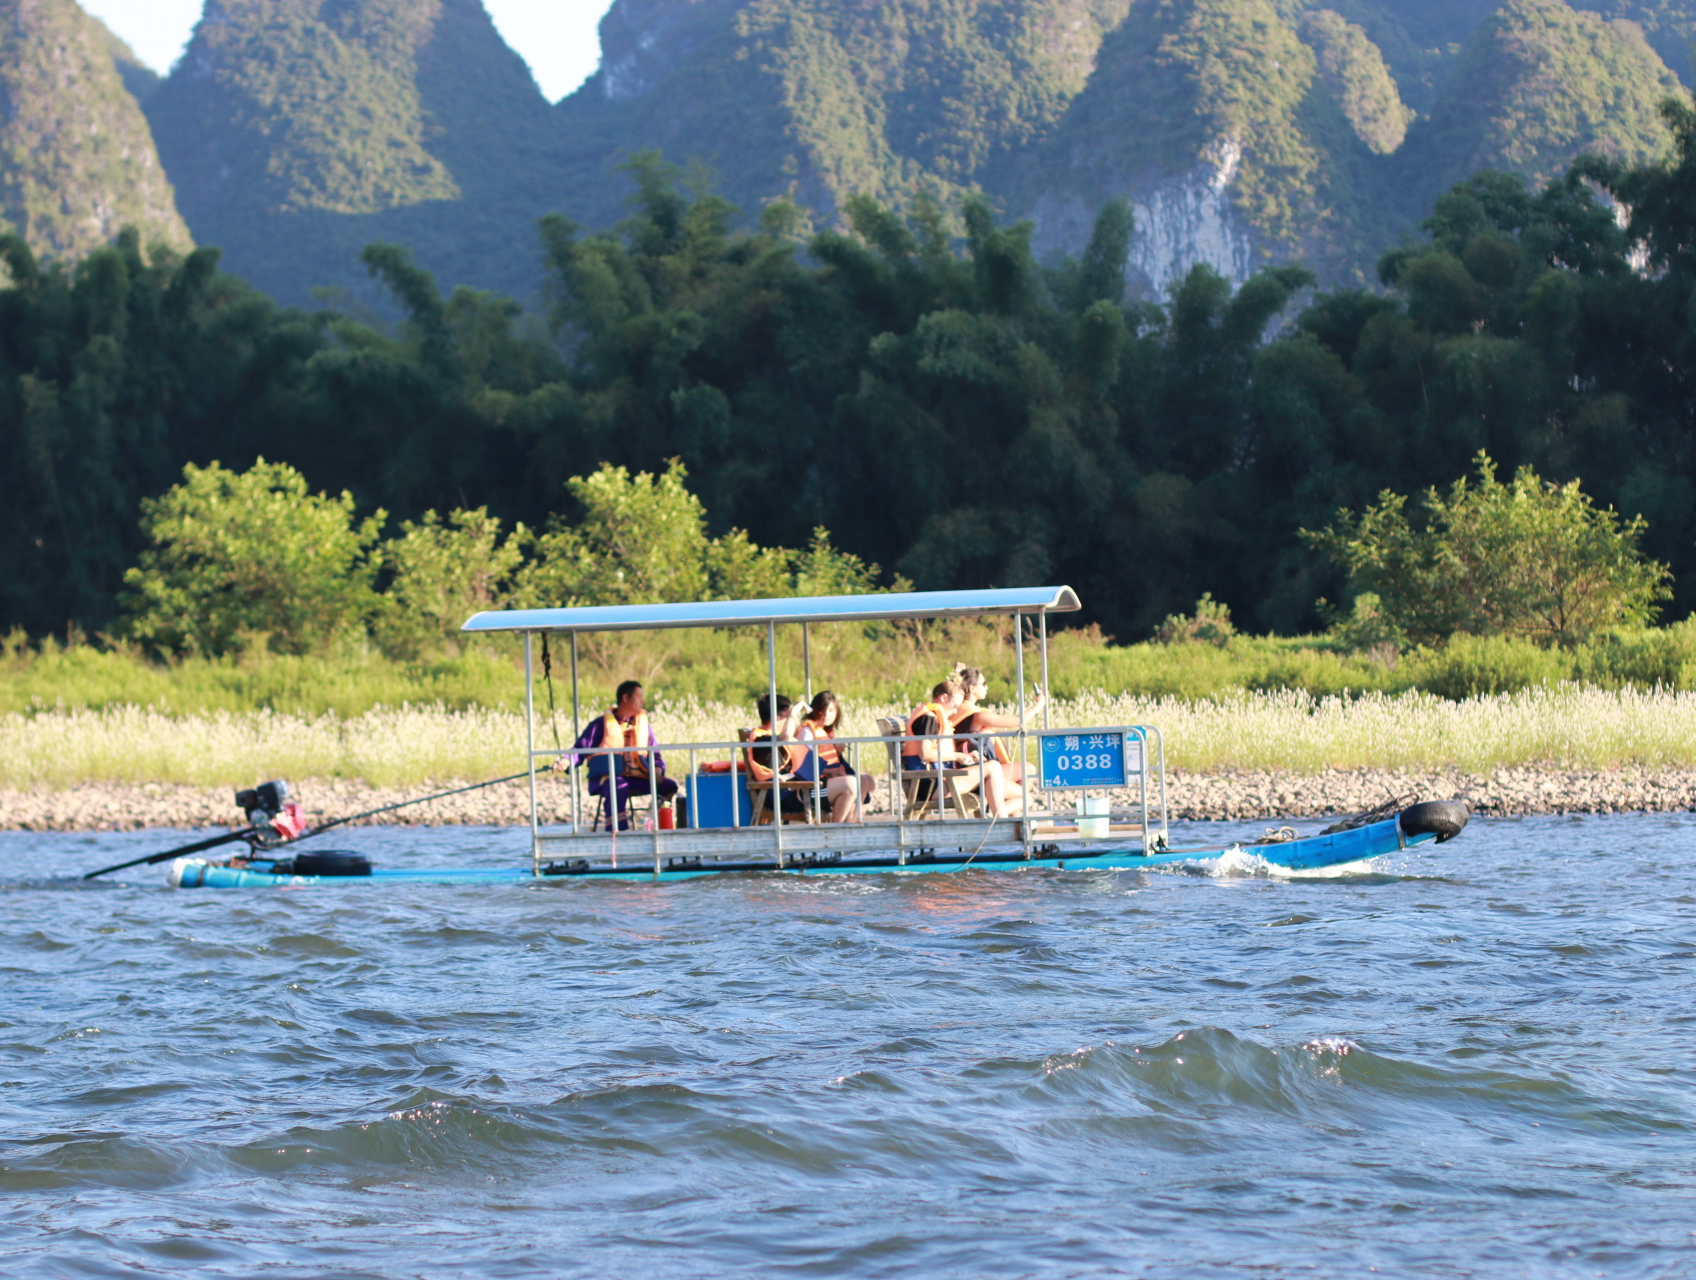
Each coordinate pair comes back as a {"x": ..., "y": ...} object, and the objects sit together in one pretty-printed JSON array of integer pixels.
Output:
[{"x": 1076, "y": 760}]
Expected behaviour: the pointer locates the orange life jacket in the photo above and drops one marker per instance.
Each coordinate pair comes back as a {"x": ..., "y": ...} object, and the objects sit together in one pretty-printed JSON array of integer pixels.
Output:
[
  {"x": 830, "y": 755},
  {"x": 615, "y": 733},
  {"x": 915, "y": 750},
  {"x": 759, "y": 759}
]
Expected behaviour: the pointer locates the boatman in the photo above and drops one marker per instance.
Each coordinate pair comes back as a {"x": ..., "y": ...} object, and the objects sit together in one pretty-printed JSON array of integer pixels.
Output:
[{"x": 624, "y": 725}]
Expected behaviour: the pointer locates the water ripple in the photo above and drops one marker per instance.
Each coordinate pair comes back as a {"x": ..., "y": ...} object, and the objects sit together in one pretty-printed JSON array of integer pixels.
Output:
[{"x": 1472, "y": 1061}]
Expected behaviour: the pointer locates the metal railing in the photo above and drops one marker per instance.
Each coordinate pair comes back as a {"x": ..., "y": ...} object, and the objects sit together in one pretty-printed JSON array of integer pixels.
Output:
[{"x": 945, "y": 779}]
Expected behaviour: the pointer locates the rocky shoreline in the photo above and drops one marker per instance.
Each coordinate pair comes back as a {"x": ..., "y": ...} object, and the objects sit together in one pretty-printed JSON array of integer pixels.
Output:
[{"x": 1193, "y": 796}]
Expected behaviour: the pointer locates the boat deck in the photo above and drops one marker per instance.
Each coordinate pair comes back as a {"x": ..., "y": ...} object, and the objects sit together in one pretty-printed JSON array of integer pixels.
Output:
[
  {"x": 803, "y": 840},
  {"x": 1314, "y": 853}
]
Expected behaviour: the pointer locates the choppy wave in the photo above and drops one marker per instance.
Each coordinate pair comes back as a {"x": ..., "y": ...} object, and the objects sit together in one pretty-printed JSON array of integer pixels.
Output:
[
  {"x": 1241, "y": 861},
  {"x": 1466, "y": 1062}
]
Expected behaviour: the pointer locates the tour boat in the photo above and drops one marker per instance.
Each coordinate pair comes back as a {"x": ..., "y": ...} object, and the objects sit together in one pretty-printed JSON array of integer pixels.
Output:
[{"x": 1095, "y": 794}]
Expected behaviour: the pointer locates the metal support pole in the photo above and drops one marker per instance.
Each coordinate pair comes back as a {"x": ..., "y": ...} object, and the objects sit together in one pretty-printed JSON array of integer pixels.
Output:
[
  {"x": 1042, "y": 630},
  {"x": 576, "y": 733},
  {"x": 1142, "y": 782},
  {"x": 654, "y": 805},
  {"x": 898, "y": 799},
  {"x": 1047, "y": 694},
  {"x": 1024, "y": 752},
  {"x": 859, "y": 787},
  {"x": 807, "y": 676},
  {"x": 530, "y": 751},
  {"x": 1161, "y": 738},
  {"x": 771, "y": 718}
]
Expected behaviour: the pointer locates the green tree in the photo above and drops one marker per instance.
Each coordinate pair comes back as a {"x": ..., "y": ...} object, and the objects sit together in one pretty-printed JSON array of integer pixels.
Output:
[
  {"x": 440, "y": 573},
  {"x": 639, "y": 539},
  {"x": 823, "y": 570},
  {"x": 113, "y": 373},
  {"x": 237, "y": 559},
  {"x": 1528, "y": 558},
  {"x": 643, "y": 538}
]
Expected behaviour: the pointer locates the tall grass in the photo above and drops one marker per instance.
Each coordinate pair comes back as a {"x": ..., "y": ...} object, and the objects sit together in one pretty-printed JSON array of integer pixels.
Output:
[
  {"x": 881, "y": 664},
  {"x": 1287, "y": 731},
  {"x": 85, "y": 714}
]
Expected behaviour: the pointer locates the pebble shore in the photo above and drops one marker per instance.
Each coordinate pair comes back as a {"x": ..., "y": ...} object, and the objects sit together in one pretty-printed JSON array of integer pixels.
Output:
[{"x": 1192, "y": 796}]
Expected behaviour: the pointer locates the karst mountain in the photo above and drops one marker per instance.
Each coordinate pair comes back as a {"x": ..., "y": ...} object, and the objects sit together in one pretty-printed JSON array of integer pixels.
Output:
[
  {"x": 1245, "y": 132},
  {"x": 77, "y": 160}
]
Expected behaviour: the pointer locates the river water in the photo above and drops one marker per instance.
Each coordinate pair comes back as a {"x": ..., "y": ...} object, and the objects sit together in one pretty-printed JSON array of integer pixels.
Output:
[{"x": 1477, "y": 1060}]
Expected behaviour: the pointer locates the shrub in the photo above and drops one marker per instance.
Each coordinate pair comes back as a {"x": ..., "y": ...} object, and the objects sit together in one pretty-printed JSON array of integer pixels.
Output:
[
  {"x": 442, "y": 573},
  {"x": 1473, "y": 666},
  {"x": 1209, "y": 624},
  {"x": 1643, "y": 658},
  {"x": 1365, "y": 628},
  {"x": 252, "y": 557},
  {"x": 1529, "y": 558},
  {"x": 643, "y": 538}
]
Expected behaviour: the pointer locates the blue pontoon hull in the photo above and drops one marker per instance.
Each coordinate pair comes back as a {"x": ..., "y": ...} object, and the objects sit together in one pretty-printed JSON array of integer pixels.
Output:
[{"x": 1309, "y": 854}]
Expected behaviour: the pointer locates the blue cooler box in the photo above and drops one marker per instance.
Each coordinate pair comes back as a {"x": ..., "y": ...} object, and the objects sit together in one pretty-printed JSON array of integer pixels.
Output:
[{"x": 710, "y": 797}]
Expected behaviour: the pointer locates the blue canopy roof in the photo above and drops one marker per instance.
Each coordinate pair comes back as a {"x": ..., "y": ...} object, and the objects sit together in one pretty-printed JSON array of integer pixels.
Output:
[{"x": 744, "y": 613}]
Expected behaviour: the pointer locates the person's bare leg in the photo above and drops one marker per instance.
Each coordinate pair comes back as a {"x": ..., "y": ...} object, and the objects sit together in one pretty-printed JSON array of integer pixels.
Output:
[
  {"x": 841, "y": 799},
  {"x": 994, "y": 789}
]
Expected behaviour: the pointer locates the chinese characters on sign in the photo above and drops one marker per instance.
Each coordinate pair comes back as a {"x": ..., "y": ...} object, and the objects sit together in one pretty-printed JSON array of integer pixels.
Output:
[{"x": 1078, "y": 760}]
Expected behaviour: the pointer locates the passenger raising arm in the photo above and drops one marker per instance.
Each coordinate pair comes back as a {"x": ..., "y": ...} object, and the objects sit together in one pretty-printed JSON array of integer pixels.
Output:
[
  {"x": 997, "y": 773},
  {"x": 973, "y": 719}
]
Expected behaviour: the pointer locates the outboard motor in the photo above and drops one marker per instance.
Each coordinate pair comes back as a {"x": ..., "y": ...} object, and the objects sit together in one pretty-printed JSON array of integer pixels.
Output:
[
  {"x": 270, "y": 810},
  {"x": 1442, "y": 818}
]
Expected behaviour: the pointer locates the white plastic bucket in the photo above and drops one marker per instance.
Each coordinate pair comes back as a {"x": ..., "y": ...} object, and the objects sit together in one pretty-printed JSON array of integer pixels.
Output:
[{"x": 1093, "y": 817}]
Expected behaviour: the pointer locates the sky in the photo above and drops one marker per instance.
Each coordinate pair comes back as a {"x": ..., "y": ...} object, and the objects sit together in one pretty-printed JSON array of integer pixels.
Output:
[{"x": 556, "y": 37}]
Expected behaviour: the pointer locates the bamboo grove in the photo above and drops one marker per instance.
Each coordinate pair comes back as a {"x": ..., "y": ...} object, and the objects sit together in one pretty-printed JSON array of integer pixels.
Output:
[{"x": 914, "y": 382}]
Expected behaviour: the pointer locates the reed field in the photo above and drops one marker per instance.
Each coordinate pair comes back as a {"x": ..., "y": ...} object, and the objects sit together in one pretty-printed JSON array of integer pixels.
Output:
[
  {"x": 81, "y": 713},
  {"x": 1566, "y": 726}
]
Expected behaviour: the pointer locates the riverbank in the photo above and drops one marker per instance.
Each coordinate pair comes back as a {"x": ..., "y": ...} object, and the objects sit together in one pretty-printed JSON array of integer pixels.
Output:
[{"x": 1223, "y": 795}]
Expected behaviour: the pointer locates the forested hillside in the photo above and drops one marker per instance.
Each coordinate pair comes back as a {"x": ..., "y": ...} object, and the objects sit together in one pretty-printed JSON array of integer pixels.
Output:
[
  {"x": 76, "y": 160},
  {"x": 1245, "y": 131},
  {"x": 1537, "y": 85}
]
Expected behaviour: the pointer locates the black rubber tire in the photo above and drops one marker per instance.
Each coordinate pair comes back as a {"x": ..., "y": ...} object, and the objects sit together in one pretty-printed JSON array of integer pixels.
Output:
[
  {"x": 331, "y": 862},
  {"x": 1444, "y": 819}
]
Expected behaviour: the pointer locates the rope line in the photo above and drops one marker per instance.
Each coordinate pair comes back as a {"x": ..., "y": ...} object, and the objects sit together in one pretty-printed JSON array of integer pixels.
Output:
[{"x": 548, "y": 679}]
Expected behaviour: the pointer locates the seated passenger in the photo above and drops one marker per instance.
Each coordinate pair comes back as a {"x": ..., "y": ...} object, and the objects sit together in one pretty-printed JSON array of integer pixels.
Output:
[
  {"x": 929, "y": 722},
  {"x": 846, "y": 790},
  {"x": 973, "y": 719},
  {"x": 624, "y": 725},
  {"x": 786, "y": 758}
]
